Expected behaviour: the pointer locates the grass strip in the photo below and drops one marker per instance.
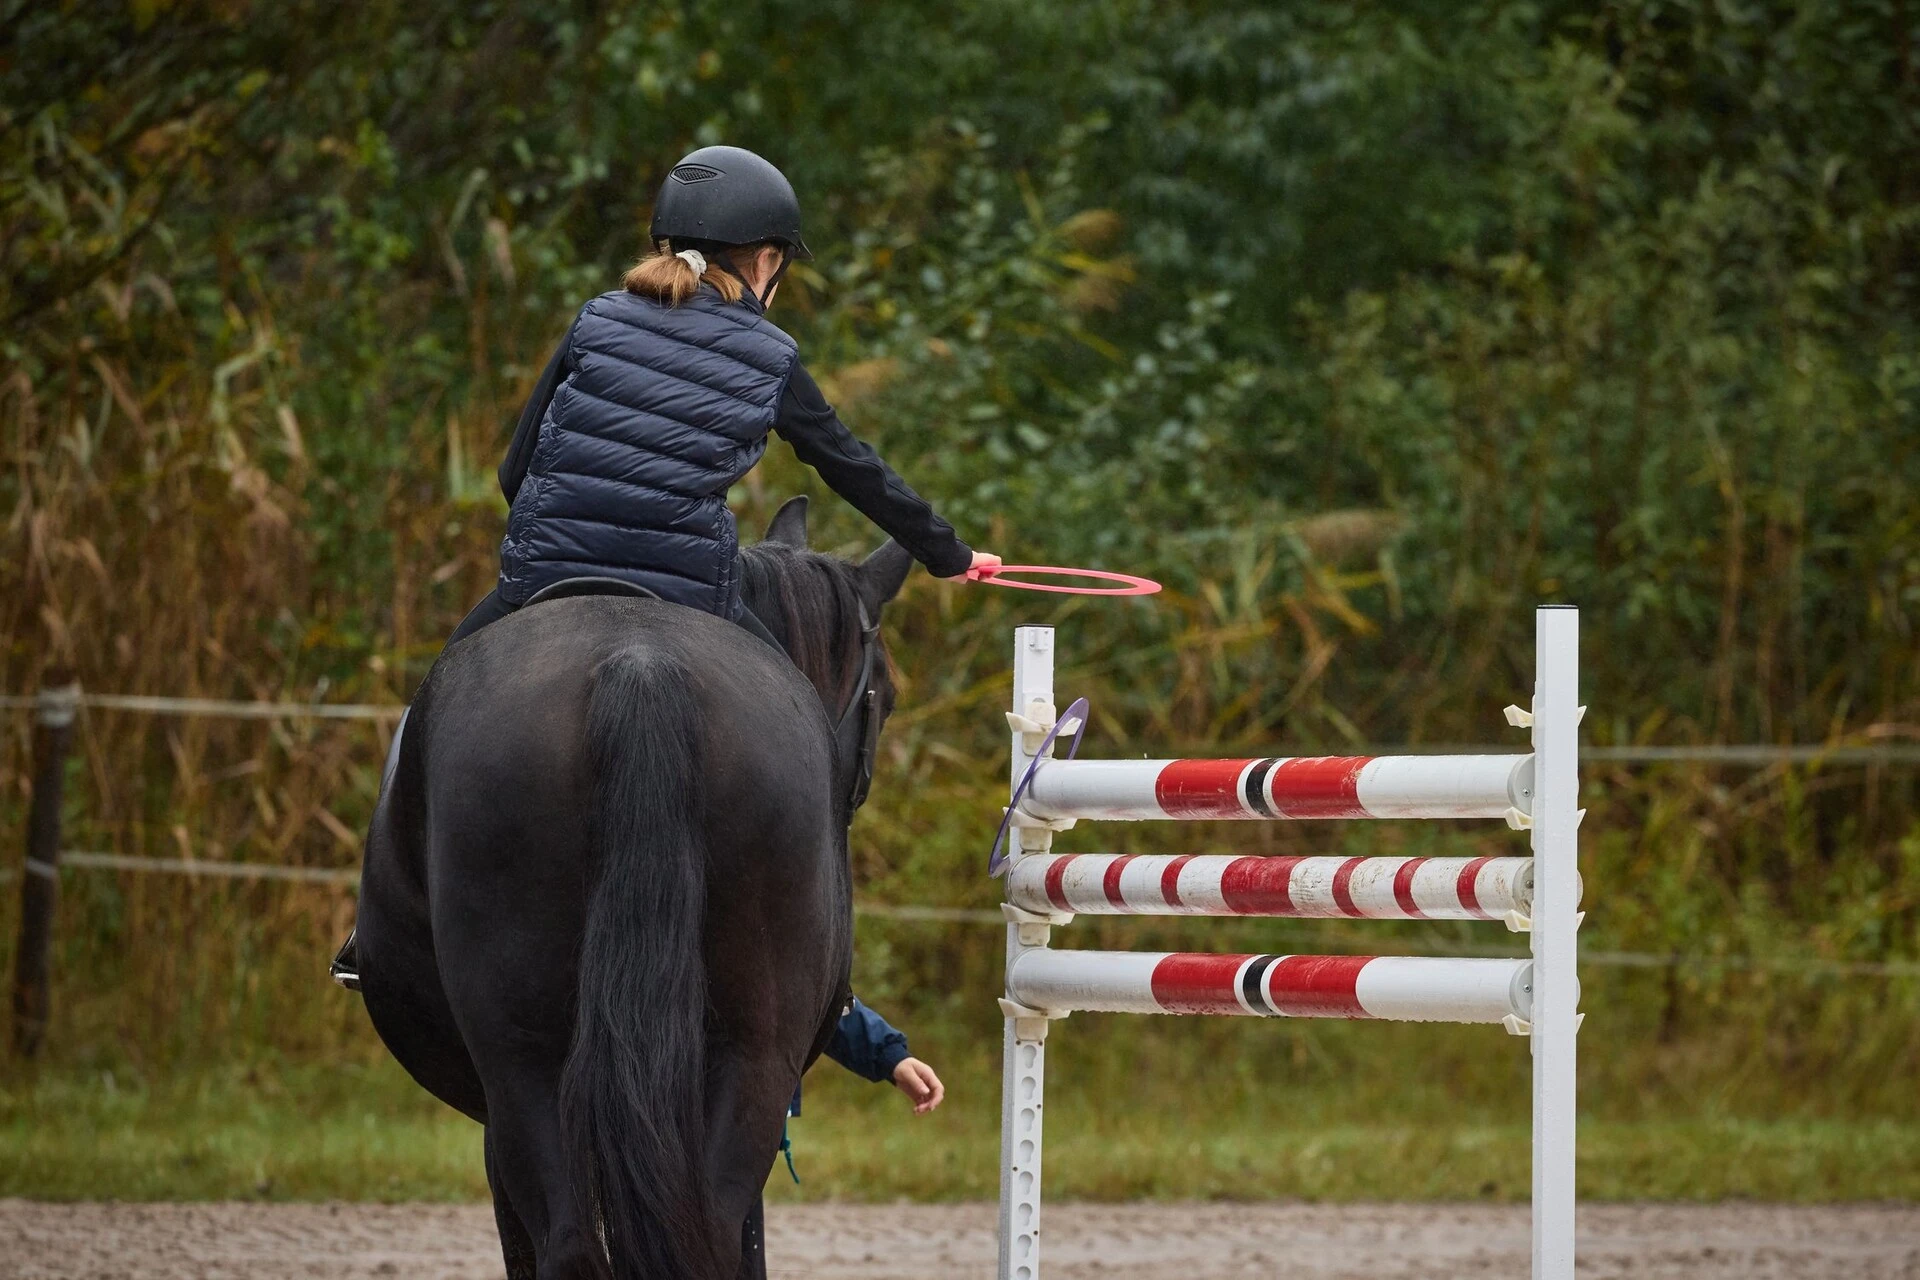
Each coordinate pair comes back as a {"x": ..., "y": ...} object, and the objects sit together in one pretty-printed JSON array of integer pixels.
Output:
[{"x": 367, "y": 1133}]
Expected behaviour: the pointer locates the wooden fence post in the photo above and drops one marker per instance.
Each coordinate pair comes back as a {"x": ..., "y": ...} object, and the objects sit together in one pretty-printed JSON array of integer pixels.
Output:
[{"x": 54, "y": 709}]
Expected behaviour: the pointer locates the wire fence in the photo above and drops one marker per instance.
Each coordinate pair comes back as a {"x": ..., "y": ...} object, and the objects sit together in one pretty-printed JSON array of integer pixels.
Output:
[
  {"x": 1758, "y": 754},
  {"x": 216, "y": 707}
]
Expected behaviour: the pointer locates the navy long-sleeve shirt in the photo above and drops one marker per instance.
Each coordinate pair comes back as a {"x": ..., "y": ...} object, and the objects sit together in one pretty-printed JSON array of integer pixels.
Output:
[
  {"x": 864, "y": 1043},
  {"x": 867, "y": 1045},
  {"x": 807, "y": 422}
]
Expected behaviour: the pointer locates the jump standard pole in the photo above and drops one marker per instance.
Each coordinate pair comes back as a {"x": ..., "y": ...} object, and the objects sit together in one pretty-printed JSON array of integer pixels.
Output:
[
  {"x": 55, "y": 707},
  {"x": 1024, "y": 1041},
  {"x": 1555, "y": 935}
]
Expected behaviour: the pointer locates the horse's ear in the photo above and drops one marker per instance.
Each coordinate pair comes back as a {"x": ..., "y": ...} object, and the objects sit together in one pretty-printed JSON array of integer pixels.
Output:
[
  {"x": 789, "y": 523},
  {"x": 883, "y": 573}
]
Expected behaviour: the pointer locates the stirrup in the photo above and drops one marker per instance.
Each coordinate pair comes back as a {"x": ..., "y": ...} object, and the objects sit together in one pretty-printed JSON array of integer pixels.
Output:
[{"x": 345, "y": 966}]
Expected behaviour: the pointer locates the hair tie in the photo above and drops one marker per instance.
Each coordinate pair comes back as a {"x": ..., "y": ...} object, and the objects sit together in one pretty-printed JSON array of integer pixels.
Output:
[{"x": 695, "y": 259}]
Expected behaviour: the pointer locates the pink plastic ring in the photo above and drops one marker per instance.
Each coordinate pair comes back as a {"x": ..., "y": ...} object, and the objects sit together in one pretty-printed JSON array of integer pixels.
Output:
[{"x": 1133, "y": 586}]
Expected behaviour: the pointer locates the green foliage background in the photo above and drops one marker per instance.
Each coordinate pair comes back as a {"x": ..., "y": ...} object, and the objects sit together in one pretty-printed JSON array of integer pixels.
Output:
[{"x": 1364, "y": 327}]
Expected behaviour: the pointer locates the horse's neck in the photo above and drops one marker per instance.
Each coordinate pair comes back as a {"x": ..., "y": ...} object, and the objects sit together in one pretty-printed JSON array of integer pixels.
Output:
[
  {"x": 826, "y": 671},
  {"x": 817, "y": 653}
]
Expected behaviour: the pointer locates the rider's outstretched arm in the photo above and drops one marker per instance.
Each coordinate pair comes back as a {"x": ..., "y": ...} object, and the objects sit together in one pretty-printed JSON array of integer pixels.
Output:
[{"x": 808, "y": 423}]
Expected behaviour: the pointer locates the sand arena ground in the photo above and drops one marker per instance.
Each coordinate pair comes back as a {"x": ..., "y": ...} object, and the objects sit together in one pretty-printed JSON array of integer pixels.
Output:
[{"x": 1275, "y": 1241}]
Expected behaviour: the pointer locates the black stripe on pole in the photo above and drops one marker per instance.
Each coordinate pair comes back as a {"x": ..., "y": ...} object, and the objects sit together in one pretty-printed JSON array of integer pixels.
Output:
[
  {"x": 1255, "y": 788},
  {"x": 1253, "y": 986}
]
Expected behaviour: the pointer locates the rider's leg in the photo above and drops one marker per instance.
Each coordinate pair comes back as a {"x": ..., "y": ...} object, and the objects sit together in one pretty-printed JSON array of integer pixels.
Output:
[
  {"x": 393, "y": 749},
  {"x": 345, "y": 967}
]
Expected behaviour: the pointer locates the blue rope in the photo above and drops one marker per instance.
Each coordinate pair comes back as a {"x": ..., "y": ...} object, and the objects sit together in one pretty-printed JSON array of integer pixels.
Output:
[{"x": 786, "y": 1149}]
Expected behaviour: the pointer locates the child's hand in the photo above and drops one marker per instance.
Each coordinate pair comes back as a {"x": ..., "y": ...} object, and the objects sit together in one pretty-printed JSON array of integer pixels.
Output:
[{"x": 916, "y": 1079}]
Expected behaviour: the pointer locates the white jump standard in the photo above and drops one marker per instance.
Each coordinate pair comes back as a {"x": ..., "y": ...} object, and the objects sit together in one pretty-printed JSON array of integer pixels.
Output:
[{"x": 1536, "y": 998}]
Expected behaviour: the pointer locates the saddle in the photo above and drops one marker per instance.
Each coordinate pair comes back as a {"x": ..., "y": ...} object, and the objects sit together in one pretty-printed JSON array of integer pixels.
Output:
[{"x": 589, "y": 585}]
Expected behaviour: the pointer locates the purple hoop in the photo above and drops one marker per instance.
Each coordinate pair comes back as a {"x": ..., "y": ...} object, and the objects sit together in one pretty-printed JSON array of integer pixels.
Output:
[{"x": 996, "y": 861}]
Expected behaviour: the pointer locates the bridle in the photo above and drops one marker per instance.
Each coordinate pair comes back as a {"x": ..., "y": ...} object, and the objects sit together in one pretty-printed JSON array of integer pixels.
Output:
[{"x": 858, "y": 730}]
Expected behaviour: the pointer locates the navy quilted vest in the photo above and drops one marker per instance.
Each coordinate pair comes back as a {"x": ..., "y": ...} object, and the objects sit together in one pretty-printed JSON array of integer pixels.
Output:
[{"x": 662, "y": 410}]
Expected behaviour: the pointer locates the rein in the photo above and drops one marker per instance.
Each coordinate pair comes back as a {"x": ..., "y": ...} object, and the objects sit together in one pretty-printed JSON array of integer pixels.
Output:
[{"x": 858, "y": 729}]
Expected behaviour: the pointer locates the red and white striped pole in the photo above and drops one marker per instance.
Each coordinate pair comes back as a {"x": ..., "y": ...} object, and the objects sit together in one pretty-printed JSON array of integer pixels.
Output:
[
  {"x": 1107, "y": 884},
  {"x": 1283, "y": 787},
  {"x": 1395, "y": 988}
]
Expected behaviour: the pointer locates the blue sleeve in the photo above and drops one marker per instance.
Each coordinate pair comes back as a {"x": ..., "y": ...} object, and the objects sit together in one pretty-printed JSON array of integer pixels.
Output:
[
  {"x": 526, "y": 435},
  {"x": 865, "y": 1044}
]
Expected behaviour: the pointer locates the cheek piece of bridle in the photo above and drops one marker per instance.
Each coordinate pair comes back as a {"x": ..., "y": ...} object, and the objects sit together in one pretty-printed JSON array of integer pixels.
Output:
[{"x": 857, "y": 735}]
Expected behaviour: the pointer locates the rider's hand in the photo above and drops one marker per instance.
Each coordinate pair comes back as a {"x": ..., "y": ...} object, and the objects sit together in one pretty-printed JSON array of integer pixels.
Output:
[
  {"x": 982, "y": 560},
  {"x": 916, "y": 1079}
]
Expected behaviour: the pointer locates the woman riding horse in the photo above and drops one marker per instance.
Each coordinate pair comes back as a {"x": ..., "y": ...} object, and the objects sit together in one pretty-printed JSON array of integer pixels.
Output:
[
  {"x": 606, "y": 908},
  {"x": 661, "y": 398}
]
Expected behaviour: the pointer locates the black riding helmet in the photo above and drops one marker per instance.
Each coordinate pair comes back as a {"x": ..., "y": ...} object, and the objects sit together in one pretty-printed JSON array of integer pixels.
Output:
[
  {"x": 728, "y": 196},
  {"x": 722, "y": 196}
]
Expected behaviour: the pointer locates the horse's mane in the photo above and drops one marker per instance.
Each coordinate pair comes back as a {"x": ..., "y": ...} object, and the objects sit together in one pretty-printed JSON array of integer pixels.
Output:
[{"x": 811, "y": 603}]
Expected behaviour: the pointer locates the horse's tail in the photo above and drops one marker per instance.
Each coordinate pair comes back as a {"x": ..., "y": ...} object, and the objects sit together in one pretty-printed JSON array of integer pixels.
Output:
[{"x": 631, "y": 1098}]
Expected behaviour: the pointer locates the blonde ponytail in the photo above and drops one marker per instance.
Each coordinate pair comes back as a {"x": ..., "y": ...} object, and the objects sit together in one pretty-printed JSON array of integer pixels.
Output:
[{"x": 672, "y": 278}]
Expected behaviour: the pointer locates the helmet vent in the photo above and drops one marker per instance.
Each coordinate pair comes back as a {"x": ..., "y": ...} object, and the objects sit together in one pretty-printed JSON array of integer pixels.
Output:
[{"x": 690, "y": 173}]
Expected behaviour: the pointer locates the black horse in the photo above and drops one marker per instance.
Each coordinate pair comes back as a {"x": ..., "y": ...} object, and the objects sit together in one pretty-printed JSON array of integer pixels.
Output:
[{"x": 606, "y": 908}]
